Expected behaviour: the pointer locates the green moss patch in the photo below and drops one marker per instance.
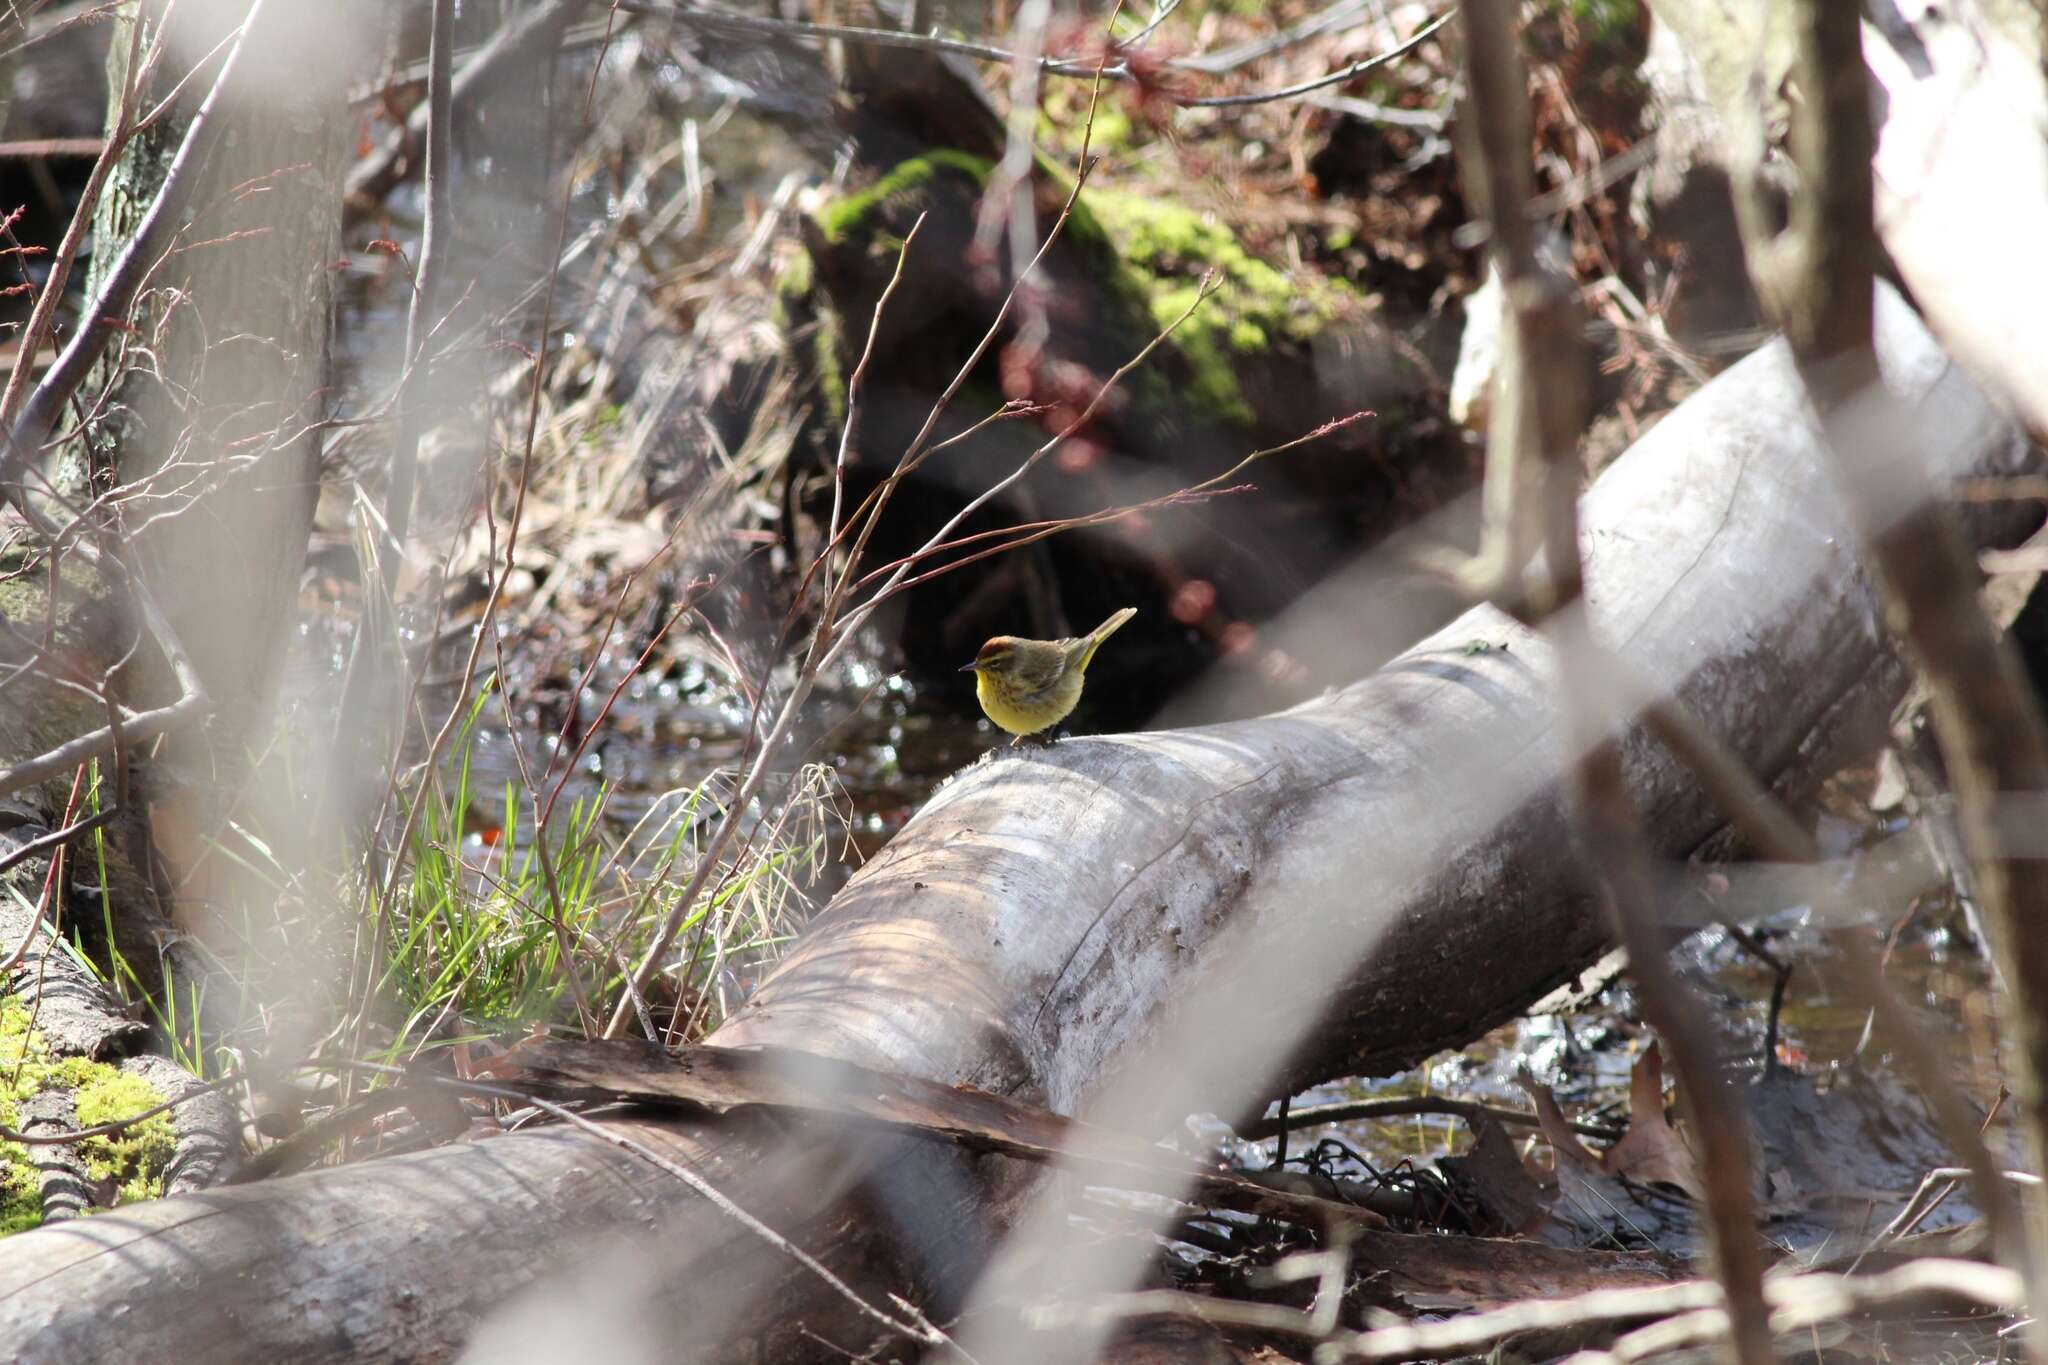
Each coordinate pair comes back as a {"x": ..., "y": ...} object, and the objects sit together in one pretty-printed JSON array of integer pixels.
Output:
[
  {"x": 21, "y": 1047},
  {"x": 102, "y": 1093},
  {"x": 846, "y": 216},
  {"x": 1168, "y": 248},
  {"x": 1150, "y": 254}
]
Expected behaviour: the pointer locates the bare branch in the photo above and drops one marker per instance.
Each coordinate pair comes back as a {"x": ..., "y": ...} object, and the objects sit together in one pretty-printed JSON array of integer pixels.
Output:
[
  {"x": 1541, "y": 407},
  {"x": 95, "y": 329},
  {"x": 1351, "y": 72},
  {"x": 1797, "y": 1301},
  {"x": 701, "y": 17},
  {"x": 1819, "y": 279},
  {"x": 118, "y": 1126}
]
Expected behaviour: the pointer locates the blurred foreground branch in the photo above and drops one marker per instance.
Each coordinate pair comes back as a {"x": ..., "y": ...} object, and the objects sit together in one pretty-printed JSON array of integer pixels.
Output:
[
  {"x": 526, "y": 39},
  {"x": 1818, "y": 277},
  {"x": 1532, "y": 495}
]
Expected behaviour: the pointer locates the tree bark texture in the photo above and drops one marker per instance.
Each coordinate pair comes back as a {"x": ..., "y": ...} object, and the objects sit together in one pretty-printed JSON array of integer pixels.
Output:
[
  {"x": 1347, "y": 886},
  {"x": 216, "y": 391}
]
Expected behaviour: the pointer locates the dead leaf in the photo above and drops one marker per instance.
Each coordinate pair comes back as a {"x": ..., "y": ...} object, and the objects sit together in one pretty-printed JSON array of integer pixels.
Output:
[
  {"x": 1555, "y": 1127},
  {"x": 1492, "y": 1178},
  {"x": 1652, "y": 1152},
  {"x": 1594, "y": 1204}
]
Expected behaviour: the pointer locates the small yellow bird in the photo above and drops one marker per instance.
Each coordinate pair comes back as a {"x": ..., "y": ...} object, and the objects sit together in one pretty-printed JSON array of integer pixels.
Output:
[{"x": 1030, "y": 685}]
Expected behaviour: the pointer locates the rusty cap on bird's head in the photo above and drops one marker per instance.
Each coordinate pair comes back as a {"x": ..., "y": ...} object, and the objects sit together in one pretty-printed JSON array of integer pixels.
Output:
[{"x": 992, "y": 651}]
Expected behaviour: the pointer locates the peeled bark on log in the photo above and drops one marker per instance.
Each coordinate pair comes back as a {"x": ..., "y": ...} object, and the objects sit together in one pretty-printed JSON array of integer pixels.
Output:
[
  {"x": 1962, "y": 89},
  {"x": 1048, "y": 918},
  {"x": 1969, "y": 78}
]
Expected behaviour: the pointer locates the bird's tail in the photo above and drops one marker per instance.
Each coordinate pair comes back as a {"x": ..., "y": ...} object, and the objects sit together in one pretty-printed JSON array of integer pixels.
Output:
[{"x": 1103, "y": 632}]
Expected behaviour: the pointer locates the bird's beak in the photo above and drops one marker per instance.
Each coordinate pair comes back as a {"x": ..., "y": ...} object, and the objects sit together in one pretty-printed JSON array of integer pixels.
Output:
[{"x": 969, "y": 668}]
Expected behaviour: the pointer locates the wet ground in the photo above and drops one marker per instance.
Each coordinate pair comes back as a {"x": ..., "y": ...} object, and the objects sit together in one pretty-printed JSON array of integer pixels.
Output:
[{"x": 1846, "y": 1139}]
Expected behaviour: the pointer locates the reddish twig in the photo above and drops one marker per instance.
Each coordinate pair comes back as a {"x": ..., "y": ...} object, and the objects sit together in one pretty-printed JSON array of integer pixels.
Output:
[
  {"x": 1032, "y": 532},
  {"x": 38, "y": 416}
]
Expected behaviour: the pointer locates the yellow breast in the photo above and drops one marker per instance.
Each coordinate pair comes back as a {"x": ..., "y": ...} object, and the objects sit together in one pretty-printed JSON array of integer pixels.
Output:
[{"x": 1027, "y": 714}]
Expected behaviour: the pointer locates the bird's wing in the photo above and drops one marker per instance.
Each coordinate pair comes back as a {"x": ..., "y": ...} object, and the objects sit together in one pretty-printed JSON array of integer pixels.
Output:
[{"x": 1037, "y": 675}]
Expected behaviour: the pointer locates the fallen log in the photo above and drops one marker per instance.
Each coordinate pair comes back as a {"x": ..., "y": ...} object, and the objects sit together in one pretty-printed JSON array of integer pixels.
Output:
[{"x": 1049, "y": 919}]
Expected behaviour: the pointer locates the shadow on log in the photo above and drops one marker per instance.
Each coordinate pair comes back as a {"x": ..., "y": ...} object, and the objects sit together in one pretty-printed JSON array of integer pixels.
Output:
[{"x": 1347, "y": 886}]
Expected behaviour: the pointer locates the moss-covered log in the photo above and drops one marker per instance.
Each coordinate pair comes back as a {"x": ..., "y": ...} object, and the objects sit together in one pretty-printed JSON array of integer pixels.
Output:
[{"x": 1268, "y": 356}]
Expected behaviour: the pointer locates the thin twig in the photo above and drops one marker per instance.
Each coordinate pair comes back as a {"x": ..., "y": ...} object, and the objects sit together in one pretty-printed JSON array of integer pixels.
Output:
[
  {"x": 426, "y": 278},
  {"x": 96, "y": 328},
  {"x": 1349, "y": 73},
  {"x": 851, "y": 429},
  {"x": 1352, "y": 1111},
  {"x": 89, "y": 15},
  {"x": 117, "y": 1126}
]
